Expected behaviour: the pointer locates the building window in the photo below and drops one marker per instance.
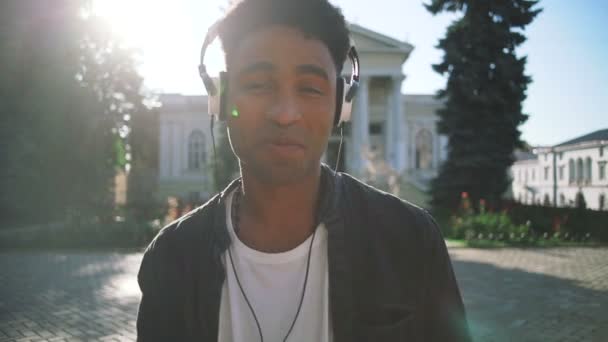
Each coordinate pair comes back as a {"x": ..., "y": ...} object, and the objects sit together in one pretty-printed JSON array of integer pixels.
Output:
[
  {"x": 602, "y": 171},
  {"x": 196, "y": 150},
  {"x": 571, "y": 171},
  {"x": 424, "y": 150},
  {"x": 194, "y": 196},
  {"x": 580, "y": 170},
  {"x": 588, "y": 169},
  {"x": 375, "y": 128},
  {"x": 562, "y": 200},
  {"x": 602, "y": 202},
  {"x": 601, "y": 151},
  {"x": 561, "y": 172},
  {"x": 519, "y": 176},
  {"x": 546, "y": 173}
]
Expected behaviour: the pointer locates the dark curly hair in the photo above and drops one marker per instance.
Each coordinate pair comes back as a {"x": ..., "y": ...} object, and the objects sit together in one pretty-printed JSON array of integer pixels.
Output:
[{"x": 317, "y": 19}]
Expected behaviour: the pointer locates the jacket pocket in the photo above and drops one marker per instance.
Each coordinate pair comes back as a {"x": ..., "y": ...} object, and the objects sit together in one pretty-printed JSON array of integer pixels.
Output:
[{"x": 388, "y": 323}]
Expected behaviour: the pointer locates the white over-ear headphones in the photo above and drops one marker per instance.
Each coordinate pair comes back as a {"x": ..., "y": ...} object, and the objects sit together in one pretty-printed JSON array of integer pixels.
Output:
[{"x": 216, "y": 90}]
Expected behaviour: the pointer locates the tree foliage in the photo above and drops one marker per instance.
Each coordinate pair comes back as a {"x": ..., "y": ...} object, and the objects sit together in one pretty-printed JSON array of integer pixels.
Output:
[
  {"x": 486, "y": 85},
  {"x": 143, "y": 203},
  {"x": 68, "y": 88}
]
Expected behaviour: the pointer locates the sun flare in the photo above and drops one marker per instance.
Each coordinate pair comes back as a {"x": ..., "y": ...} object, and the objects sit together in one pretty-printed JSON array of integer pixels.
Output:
[
  {"x": 168, "y": 35},
  {"x": 138, "y": 22}
]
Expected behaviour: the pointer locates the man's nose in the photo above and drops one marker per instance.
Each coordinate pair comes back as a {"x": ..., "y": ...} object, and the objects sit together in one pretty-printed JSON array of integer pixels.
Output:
[{"x": 285, "y": 110}]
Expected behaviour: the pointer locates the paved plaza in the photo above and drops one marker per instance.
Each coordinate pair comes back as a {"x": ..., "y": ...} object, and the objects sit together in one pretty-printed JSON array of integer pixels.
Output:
[{"x": 550, "y": 294}]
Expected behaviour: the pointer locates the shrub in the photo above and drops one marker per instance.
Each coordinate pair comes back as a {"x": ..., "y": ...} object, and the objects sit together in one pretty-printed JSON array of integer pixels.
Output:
[
  {"x": 487, "y": 225},
  {"x": 577, "y": 222},
  {"x": 83, "y": 235}
]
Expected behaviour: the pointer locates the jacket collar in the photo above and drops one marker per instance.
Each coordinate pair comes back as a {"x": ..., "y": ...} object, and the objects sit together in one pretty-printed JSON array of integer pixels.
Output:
[{"x": 328, "y": 205}]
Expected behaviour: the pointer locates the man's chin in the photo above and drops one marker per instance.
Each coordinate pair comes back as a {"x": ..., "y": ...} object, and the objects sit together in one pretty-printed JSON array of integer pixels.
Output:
[{"x": 282, "y": 174}]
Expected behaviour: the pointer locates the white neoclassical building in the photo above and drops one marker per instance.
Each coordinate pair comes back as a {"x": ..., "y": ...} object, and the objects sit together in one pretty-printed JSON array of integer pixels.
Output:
[
  {"x": 387, "y": 127},
  {"x": 555, "y": 175}
]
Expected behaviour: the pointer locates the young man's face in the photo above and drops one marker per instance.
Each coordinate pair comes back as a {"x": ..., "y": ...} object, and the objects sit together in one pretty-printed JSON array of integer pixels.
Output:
[{"x": 283, "y": 86}]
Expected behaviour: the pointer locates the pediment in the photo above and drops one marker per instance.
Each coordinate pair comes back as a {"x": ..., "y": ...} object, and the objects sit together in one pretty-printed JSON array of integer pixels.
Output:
[{"x": 370, "y": 41}]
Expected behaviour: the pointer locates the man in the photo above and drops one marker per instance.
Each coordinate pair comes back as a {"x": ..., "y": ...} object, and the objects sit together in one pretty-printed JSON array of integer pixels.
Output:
[{"x": 293, "y": 250}]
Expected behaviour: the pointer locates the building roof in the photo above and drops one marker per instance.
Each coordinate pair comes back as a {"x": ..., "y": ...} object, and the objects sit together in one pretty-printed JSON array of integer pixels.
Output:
[
  {"x": 388, "y": 43},
  {"x": 602, "y": 134},
  {"x": 521, "y": 155},
  {"x": 182, "y": 103},
  {"x": 422, "y": 99}
]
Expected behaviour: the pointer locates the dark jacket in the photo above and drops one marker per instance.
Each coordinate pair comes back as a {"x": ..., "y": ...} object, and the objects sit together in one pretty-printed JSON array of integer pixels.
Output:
[{"x": 390, "y": 276}]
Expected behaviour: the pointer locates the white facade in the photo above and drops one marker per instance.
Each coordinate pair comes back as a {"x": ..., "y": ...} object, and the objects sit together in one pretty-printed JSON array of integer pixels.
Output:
[
  {"x": 398, "y": 130},
  {"x": 185, "y": 147},
  {"x": 556, "y": 174}
]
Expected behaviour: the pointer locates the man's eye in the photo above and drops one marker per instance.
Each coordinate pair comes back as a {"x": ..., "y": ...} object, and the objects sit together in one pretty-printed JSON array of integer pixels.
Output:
[
  {"x": 256, "y": 86},
  {"x": 311, "y": 90}
]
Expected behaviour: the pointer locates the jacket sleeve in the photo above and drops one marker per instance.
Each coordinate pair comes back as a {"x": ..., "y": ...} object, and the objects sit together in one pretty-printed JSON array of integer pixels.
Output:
[
  {"x": 445, "y": 316},
  {"x": 159, "y": 317}
]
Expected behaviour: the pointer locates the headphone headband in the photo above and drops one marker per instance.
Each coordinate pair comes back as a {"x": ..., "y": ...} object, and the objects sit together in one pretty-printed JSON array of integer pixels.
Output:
[{"x": 216, "y": 95}]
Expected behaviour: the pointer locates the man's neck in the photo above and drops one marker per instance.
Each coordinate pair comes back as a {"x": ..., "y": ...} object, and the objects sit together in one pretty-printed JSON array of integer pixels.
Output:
[{"x": 277, "y": 218}]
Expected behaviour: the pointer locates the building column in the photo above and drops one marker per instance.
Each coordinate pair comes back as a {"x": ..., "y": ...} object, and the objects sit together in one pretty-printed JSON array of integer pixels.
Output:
[
  {"x": 360, "y": 128},
  {"x": 183, "y": 148},
  {"x": 175, "y": 150},
  {"x": 163, "y": 160},
  {"x": 410, "y": 154},
  {"x": 399, "y": 131},
  {"x": 390, "y": 137},
  {"x": 436, "y": 148}
]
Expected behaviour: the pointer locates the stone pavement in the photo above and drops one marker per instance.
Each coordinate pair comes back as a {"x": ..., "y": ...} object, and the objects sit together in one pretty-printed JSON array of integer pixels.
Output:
[
  {"x": 557, "y": 294},
  {"x": 547, "y": 294},
  {"x": 68, "y": 296}
]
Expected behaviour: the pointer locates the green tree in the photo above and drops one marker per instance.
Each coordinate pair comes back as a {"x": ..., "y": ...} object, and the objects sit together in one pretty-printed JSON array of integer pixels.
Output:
[
  {"x": 579, "y": 201},
  {"x": 143, "y": 203},
  {"x": 108, "y": 68},
  {"x": 486, "y": 86},
  {"x": 66, "y": 88},
  {"x": 45, "y": 112}
]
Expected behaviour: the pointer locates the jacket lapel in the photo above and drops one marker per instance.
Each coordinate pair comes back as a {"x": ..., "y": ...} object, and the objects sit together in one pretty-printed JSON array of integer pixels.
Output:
[
  {"x": 340, "y": 267},
  {"x": 214, "y": 241}
]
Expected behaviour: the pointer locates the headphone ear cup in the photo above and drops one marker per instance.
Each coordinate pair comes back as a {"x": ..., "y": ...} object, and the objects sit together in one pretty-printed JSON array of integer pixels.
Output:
[
  {"x": 223, "y": 97},
  {"x": 339, "y": 100},
  {"x": 347, "y": 103},
  {"x": 213, "y": 99}
]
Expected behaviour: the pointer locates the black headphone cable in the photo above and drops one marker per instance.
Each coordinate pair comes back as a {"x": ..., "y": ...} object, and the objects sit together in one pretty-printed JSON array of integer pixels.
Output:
[{"x": 234, "y": 223}]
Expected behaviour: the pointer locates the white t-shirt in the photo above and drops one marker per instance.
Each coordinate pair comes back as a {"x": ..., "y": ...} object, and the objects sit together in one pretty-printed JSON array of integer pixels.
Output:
[{"x": 273, "y": 284}]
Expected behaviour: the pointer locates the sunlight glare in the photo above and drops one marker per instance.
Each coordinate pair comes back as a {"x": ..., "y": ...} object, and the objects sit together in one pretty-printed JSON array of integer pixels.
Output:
[
  {"x": 168, "y": 36},
  {"x": 137, "y": 22}
]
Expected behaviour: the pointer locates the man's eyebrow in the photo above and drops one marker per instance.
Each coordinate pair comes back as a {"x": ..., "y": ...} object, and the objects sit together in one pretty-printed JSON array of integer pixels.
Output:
[
  {"x": 255, "y": 67},
  {"x": 312, "y": 69}
]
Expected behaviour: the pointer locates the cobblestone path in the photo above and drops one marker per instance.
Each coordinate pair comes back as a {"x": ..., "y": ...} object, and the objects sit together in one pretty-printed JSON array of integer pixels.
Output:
[{"x": 549, "y": 294}]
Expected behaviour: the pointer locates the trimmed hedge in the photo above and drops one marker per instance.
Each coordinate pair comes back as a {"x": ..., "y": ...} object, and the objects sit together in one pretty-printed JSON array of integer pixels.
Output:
[
  {"x": 86, "y": 235},
  {"x": 550, "y": 220},
  {"x": 488, "y": 225}
]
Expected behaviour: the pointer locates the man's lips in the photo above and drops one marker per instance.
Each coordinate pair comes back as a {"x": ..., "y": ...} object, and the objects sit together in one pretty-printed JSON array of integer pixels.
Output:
[
  {"x": 285, "y": 147},
  {"x": 285, "y": 142}
]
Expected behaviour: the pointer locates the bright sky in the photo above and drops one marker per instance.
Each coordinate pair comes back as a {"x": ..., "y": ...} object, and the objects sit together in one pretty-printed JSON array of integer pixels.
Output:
[{"x": 567, "y": 52}]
